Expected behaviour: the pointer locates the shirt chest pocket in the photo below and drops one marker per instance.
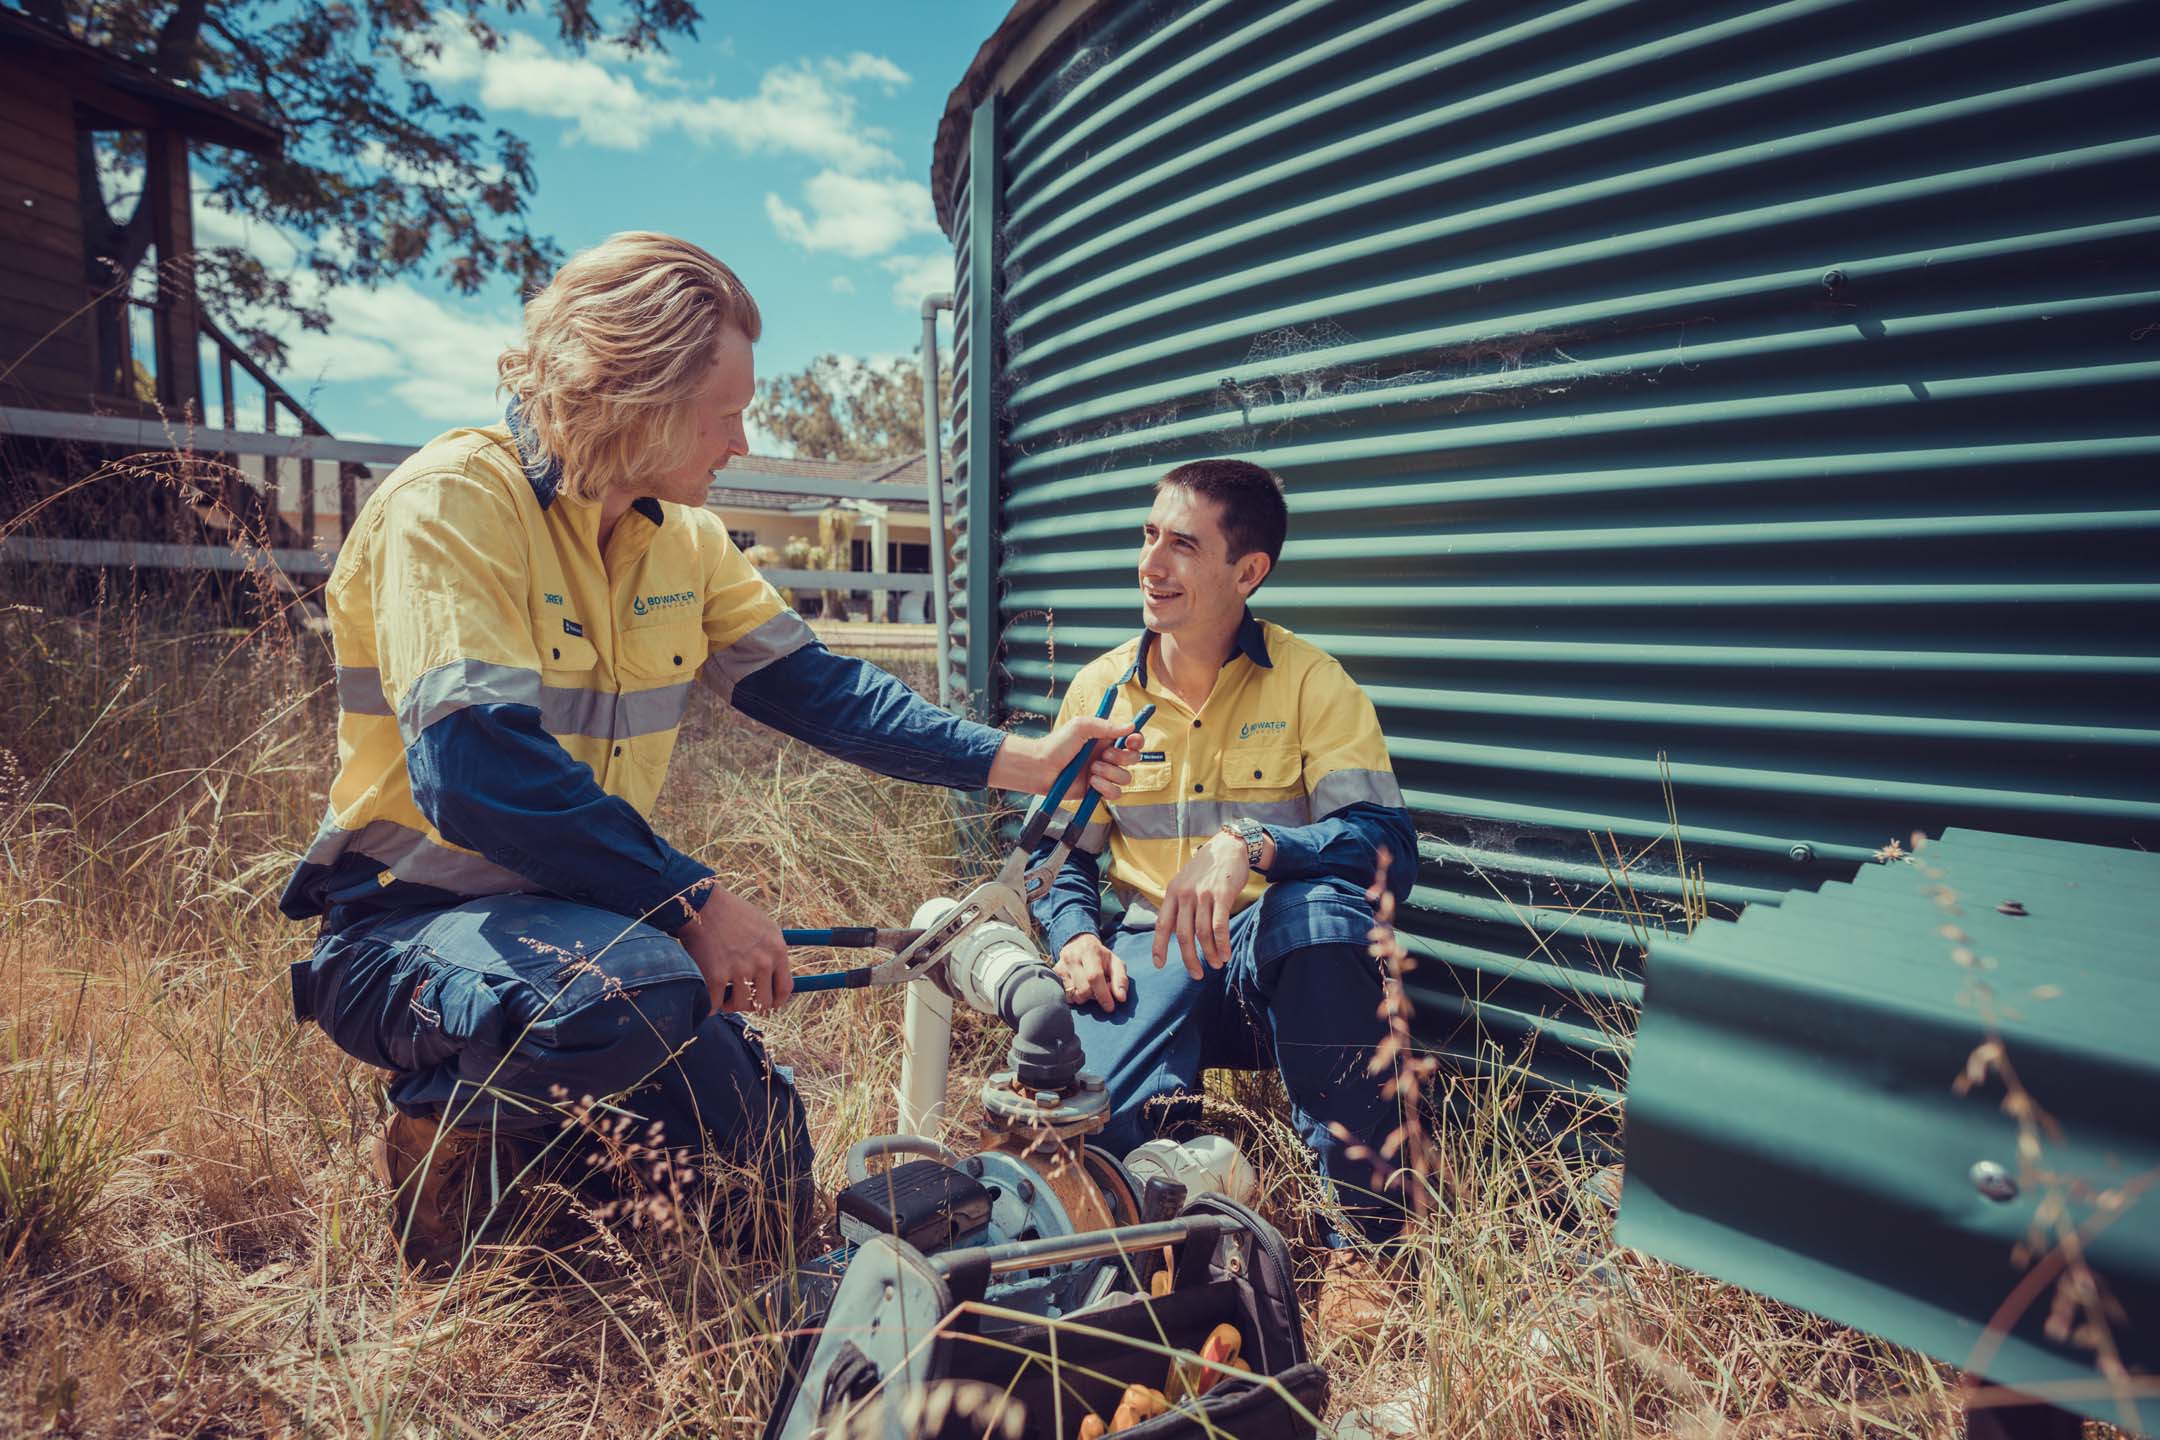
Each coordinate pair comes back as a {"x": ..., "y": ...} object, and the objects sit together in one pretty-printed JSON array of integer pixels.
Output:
[
  {"x": 669, "y": 651},
  {"x": 1261, "y": 770},
  {"x": 1149, "y": 779},
  {"x": 564, "y": 654}
]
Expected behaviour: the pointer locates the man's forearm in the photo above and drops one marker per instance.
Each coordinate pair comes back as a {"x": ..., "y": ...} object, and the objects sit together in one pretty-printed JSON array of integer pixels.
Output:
[
  {"x": 490, "y": 778},
  {"x": 855, "y": 712},
  {"x": 1347, "y": 844},
  {"x": 1073, "y": 904}
]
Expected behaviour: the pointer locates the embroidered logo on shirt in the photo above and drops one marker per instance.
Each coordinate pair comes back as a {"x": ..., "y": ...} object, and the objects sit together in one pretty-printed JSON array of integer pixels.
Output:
[
  {"x": 641, "y": 604},
  {"x": 551, "y": 597},
  {"x": 1146, "y": 755},
  {"x": 571, "y": 627},
  {"x": 1258, "y": 727}
]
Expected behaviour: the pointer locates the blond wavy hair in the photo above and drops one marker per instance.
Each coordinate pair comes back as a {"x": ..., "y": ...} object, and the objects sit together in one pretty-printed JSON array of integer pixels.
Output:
[{"x": 620, "y": 337}]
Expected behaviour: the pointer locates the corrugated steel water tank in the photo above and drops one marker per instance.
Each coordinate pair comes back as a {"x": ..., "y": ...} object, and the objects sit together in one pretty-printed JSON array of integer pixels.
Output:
[{"x": 1771, "y": 388}]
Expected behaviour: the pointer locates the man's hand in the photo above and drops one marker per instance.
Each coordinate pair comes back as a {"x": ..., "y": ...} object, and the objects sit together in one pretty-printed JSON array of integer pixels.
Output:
[
  {"x": 738, "y": 949},
  {"x": 1091, "y": 970},
  {"x": 1197, "y": 906},
  {"x": 1032, "y": 763}
]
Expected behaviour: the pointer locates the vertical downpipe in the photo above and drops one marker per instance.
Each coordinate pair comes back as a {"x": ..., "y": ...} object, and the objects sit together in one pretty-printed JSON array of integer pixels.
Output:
[
  {"x": 934, "y": 465},
  {"x": 986, "y": 179}
]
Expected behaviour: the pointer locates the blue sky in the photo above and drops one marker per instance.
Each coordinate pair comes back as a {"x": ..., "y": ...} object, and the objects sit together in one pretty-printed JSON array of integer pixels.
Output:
[{"x": 791, "y": 140}]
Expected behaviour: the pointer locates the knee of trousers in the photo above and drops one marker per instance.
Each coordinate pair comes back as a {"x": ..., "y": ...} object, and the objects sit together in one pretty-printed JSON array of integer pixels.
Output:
[{"x": 617, "y": 1028}]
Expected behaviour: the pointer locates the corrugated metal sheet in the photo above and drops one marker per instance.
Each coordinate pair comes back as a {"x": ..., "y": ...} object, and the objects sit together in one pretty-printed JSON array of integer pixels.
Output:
[
  {"x": 1773, "y": 388},
  {"x": 1760, "y": 1148}
]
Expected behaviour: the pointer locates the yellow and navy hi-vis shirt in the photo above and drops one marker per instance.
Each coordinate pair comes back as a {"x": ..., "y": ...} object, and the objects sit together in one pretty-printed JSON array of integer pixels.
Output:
[
  {"x": 509, "y": 696},
  {"x": 1286, "y": 739}
]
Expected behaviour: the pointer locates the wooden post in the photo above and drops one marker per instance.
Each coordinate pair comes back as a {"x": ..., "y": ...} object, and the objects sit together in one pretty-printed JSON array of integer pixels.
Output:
[{"x": 172, "y": 231}]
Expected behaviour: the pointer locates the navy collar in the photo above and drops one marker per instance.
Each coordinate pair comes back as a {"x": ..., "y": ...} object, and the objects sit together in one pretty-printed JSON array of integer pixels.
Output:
[
  {"x": 547, "y": 479},
  {"x": 1251, "y": 642}
]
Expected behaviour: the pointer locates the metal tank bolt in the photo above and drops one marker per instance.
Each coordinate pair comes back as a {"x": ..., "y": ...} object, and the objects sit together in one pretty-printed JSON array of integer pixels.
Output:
[
  {"x": 1833, "y": 280},
  {"x": 1802, "y": 853},
  {"x": 1991, "y": 1180}
]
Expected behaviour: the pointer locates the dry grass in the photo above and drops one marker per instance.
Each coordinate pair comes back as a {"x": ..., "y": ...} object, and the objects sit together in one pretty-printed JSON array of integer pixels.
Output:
[{"x": 208, "y": 1255}]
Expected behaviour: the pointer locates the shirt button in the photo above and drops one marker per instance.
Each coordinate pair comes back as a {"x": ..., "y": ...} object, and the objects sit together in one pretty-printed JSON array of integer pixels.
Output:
[
  {"x": 678, "y": 659},
  {"x": 618, "y": 749},
  {"x": 1256, "y": 774},
  {"x": 1199, "y": 789},
  {"x": 1196, "y": 724},
  {"x": 556, "y": 652}
]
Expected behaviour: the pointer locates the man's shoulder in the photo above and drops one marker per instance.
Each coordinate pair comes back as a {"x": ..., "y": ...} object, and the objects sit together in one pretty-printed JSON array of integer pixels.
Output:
[
  {"x": 1293, "y": 657},
  {"x": 477, "y": 464}
]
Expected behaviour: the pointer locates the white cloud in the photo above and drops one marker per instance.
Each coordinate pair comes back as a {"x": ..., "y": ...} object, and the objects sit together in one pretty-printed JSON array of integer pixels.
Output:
[
  {"x": 854, "y": 215},
  {"x": 524, "y": 75},
  {"x": 800, "y": 109},
  {"x": 861, "y": 65},
  {"x": 439, "y": 360},
  {"x": 797, "y": 110},
  {"x": 842, "y": 285},
  {"x": 915, "y": 276}
]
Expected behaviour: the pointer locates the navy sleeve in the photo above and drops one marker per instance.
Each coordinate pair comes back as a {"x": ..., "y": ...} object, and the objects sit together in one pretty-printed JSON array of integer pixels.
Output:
[
  {"x": 855, "y": 712},
  {"x": 1072, "y": 906},
  {"x": 1347, "y": 844},
  {"x": 491, "y": 779}
]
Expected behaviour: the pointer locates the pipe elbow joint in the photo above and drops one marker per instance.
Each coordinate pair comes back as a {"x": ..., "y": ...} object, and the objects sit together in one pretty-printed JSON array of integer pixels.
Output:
[{"x": 1045, "y": 1051}]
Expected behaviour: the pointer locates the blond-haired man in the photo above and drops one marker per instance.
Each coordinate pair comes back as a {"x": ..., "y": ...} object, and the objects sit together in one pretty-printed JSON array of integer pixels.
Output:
[{"x": 518, "y": 616}]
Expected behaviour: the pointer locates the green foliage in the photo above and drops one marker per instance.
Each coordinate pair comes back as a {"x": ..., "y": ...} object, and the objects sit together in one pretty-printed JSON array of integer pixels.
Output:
[
  {"x": 378, "y": 171},
  {"x": 835, "y": 409}
]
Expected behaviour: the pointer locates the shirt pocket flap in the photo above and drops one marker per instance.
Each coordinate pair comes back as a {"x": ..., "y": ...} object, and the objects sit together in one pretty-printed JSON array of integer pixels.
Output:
[
  {"x": 1272, "y": 767},
  {"x": 656, "y": 652},
  {"x": 564, "y": 651},
  {"x": 1148, "y": 776}
]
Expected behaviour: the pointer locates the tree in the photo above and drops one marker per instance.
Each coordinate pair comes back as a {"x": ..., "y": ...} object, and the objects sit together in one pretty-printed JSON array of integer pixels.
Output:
[
  {"x": 838, "y": 409},
  {"x": 379, "y": 176}
]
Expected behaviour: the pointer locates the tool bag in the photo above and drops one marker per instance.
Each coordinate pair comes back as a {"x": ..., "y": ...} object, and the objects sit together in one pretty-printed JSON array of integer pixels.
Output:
[{"x": 899, "y": 1359}]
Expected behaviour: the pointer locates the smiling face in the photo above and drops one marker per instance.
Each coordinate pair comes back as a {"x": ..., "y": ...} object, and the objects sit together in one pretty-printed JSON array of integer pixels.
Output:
[
  {"x": 717, "y": 434},
  {"x": 1187, "y": 579}
]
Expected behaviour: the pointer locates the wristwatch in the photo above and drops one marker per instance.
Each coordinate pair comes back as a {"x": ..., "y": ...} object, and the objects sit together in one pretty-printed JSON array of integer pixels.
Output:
[{"x": 1254, "y": 837}]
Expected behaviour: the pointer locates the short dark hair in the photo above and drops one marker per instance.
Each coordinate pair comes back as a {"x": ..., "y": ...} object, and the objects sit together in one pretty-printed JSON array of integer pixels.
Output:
[{"x": 1250, "y": 498}]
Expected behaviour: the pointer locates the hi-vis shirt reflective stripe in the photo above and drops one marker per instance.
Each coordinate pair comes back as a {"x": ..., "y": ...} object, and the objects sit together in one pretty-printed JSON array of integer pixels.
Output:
[
  {"x": 1286, "y": 738},
  {"x": 468, "y": 592}
]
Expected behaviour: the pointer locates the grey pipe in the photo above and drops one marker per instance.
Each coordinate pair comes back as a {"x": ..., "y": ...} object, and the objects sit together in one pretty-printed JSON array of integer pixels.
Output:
[
  {"x": 934, "y": 463},
  {"x": 1045, "y": 1051}
]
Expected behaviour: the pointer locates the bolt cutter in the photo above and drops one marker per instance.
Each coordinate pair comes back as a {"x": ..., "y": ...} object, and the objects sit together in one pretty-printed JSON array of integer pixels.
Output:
[{"x": 1003, "y": 897}]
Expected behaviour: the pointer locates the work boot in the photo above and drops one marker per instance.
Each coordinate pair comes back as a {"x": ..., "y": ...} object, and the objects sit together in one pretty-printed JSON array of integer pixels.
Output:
[
  {"x": 450, "y": 1189},
  {"x": 1356, "y": 1294}
]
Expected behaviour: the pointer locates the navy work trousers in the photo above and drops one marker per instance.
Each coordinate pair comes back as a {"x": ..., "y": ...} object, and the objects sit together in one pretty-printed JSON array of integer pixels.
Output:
[
  {"x": 505, "y": 1012},
  {"x": 1300, "y": 995}
]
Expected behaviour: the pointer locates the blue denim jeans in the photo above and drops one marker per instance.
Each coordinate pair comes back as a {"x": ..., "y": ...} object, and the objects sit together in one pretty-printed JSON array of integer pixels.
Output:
[
  {"x": 1300, "y": 995},
  {"x": 505, "y": 1012}
]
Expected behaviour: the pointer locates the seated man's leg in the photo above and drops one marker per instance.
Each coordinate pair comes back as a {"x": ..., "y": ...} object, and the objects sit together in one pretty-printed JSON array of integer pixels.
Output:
[
  {"x": 1149, "y": 1049},
  {"x": 1300, "y": 965}
]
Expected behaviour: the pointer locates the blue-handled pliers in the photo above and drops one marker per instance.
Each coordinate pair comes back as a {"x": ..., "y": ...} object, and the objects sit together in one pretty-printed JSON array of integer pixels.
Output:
[{"x": 1004, "y": 897}]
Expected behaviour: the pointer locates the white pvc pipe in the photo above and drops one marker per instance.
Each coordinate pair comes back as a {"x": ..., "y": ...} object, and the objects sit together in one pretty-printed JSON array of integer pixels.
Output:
[
  {"x": 977, "y": 966},
  {"x": 1205, "y": 1164},
  {"x": 925, "y": 1056}
]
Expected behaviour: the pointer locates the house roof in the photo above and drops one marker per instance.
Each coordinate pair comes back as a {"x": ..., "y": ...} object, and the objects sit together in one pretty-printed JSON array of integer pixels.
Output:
[
  {"x": 897, "y": 483},
  {"x": 130, "y": 95}
]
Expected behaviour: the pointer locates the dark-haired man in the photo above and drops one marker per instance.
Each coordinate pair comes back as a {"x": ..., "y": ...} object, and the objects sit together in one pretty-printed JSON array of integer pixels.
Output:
[{"x": 1242, "y": 847}]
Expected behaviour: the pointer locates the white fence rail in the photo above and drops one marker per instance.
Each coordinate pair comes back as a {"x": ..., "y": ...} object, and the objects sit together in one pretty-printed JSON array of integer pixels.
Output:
[{"x": 161, "y": 435}]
